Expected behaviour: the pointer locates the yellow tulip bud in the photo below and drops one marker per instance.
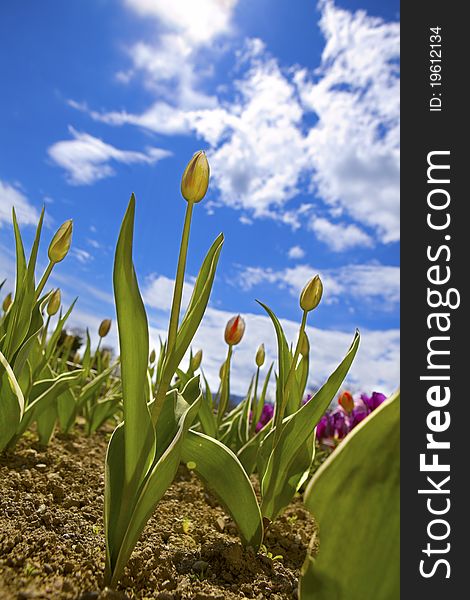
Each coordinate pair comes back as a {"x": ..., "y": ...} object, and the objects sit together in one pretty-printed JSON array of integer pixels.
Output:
[
  {"x": 152, "y": 357},
  {"x": 311, "y": 294},
  {"x": 196, "y": 361},
  {"x": 54, "y": 303},
  {"x": 222, "y": 370},
  {"x": 104, "y": 328},
  {"x": 234, "y": 330},
  {"x": 195, "y": 180},
  {"x": 60, "y": 243},
  {"x": 7, "y": 302},
  {"x": 304, "y": 344},
  {"x": 260, "y": 356}
]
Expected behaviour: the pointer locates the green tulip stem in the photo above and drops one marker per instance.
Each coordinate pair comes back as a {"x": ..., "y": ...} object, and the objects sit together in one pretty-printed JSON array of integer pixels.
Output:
[
  {"x": 225, "y": 391},
  {"x": 254, "y": 406},
  {"x": 44, "y": 278},
  {"x": 44, "y": 331},
  {"x": 175, "y": 312},
  {"x": 290, "y": 378},
  {"x": 178, "y": 291}
]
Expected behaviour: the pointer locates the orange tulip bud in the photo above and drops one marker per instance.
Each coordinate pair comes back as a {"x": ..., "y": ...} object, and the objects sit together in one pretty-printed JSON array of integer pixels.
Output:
[
  {"x": 346, "y": 401},
  {"x": 234, "y": 330}
]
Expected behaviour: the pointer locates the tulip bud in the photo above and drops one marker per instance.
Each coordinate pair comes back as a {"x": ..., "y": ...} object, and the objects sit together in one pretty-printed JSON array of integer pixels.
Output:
[
  {"x": 222, "y": 371},
  {"x": 311, "y": 294},
  {"x": 152, "y": 357},
  {"x": 54, "y": 303},
  {"x": 60, "y": 243},
  {"x": 104, "y": 328},
  {"x": 7, "y": 302},
  {"x": 195, "y": 180},
  {"x": 234, "y": 330},
  {"x": 304, "y": 344},
  {"x": 260, "y": 356},
  {"x": 346, "y": 401},
  {"x": 196, "y": 360}
]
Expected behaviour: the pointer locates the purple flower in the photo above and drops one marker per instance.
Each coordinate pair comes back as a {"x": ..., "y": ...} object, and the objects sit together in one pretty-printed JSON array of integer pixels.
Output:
[
  {"x": 340, "y": 423},
  {"x": 372, "y": 402},
  {"x": 266, "y": 415},
  {"x": 359, "y": 413},
  {"x": 324, "y": 429}
]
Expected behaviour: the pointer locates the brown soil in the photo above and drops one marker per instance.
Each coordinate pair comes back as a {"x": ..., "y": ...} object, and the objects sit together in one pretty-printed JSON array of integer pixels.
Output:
[{"x": 52, "y": 544}]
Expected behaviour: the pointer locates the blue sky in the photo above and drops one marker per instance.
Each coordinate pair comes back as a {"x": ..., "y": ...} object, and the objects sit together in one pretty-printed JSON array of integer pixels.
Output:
[{"x": 297, "y": 106}]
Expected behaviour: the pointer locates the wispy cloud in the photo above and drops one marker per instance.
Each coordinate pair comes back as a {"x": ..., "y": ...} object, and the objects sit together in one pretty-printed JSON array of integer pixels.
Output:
[
  {"x": 87, "y": 159},
  {"x": 12, "y": 196},
  {"x": 296, "y": 252},
  {"x": 339, "y": 236},
  {"x": 158, "y": 292},
  {"x": 367, "y": 282}
]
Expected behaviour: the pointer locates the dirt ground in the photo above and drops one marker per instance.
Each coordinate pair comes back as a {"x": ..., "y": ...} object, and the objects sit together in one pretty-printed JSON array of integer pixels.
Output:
[{"x": 52, "y": 541}]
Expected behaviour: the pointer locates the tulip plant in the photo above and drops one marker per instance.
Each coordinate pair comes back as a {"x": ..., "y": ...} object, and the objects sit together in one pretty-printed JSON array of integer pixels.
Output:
[
  {"x": 29, "y": 387},
  {"x": 154, "y": 437},
  {"x": 164, "y": 415}
]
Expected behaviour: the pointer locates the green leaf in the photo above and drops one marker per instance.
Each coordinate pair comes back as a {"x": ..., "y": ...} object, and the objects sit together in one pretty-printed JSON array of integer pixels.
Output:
[
  {"x": 355, "y": 496},
  {"x": 45, "y": 423},
  {"x": 121, "y": 543},
  {"x": 262, "y": 398},
  {"x": 283, "y": 352},
  {"x": 221, "y": 470},
  {"x": 296, "y": 430},
  {"x": 248, "y": 453},
  {"x": 139, "y": 433},
  {"x": 197, "y": 305},
  {"x": 11, "y": 405},
  {"x": 206, "y": 413},
  {"x": 66, "y": 410}
]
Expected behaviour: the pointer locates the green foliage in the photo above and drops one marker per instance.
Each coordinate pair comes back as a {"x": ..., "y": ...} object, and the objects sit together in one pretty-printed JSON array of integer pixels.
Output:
[{"x": 355, "y": 497}]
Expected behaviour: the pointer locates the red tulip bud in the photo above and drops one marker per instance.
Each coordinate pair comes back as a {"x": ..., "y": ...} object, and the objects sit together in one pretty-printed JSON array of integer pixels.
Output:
[
  {"x": 234, "y": 330},
  {"x": 346, "y": 401}
]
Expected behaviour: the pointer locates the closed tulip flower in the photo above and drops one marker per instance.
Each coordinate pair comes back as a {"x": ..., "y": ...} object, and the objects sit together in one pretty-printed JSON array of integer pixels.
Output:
[
  {"x": 311, "y": 294},
  {"x": 7, "y": 302},
  {"x": 60, "y": 244},
  {"x": 234, "y": 330},
  {"x": 54, "y": 303},
  {"x": 104, "y": 328},
  {"x": 196, "y": 361},
  {"x": 260, "y": 356},
  {"x": 195, "y": 180},
  {"x": 347, "y": 402}
]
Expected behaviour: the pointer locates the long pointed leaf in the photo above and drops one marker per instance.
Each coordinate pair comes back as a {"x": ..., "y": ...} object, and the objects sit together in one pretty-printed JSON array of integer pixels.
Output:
[
  {"x": 355, "y": 496},
  {"x": 296, "y": 430},
  {"x": 221, "y": 470}
]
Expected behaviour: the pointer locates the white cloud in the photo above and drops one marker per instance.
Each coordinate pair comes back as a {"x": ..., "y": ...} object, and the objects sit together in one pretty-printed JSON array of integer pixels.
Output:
[
  {"x": 263, "y": 151},
  {"x": 338, "y": 236},
  {"x": 368, "y": 282},
  {"x": 11, "y": 196},
  {"x": 158, "y": 292},
  {"x": 87, "y": 159},
  {"x": 376, "y": 366},
  {"x": 354, "y": 147},
  {"x": 81, "y": 255},
  {"x": 296, "y": 252},
  {"x": 200, "y": 21}
]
